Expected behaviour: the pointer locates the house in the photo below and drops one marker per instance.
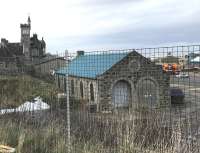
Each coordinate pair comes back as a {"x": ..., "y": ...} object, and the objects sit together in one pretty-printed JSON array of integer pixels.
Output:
[{"x": 112, "y": 80}]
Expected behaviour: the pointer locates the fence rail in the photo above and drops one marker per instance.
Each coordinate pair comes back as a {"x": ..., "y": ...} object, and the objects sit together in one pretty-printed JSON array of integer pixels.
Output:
[{"x": 120, "y": 101}]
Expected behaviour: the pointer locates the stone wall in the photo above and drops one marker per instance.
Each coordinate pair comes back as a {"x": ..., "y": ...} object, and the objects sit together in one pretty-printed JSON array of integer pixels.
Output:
[
  {"x": 86, "y": 89},
  {"x": 76, "y": 94},
  {"x": 133, "y": 69},
  {"x": 48, "y": 66},
  {"x": 9, "y": 67}
]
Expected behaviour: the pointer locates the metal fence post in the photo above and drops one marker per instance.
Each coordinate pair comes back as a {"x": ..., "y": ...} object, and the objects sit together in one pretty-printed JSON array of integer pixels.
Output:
[{"x": 68, "y": 107}]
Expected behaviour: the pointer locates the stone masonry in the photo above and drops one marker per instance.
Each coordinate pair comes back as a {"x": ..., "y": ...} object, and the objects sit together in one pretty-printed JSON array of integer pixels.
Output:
[{"x": 134, "y": 68}]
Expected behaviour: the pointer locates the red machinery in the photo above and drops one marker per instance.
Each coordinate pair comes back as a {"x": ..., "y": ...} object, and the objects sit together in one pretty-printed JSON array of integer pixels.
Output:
[{"x": 171, "y": 68}]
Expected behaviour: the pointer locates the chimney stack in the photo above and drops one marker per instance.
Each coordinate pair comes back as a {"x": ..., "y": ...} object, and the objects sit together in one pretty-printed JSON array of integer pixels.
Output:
[
  {"x": 80, "y": 53},
  {"x": 4, "y": 42}
]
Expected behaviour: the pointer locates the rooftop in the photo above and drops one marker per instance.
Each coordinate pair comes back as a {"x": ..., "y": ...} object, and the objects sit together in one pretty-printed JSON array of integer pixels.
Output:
[{"x": 92, "y": 65}]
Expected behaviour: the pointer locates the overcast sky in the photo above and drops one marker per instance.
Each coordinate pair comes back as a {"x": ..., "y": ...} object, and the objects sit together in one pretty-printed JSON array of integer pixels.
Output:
[{"x": 103, "y": 24}]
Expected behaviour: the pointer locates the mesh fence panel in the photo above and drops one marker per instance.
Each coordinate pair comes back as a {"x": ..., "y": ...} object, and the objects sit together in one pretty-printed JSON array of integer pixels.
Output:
[{"x": 116, "y": 101}]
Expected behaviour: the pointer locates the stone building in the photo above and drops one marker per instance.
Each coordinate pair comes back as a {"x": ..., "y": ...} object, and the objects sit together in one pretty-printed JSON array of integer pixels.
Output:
[
  {"x": 33, "y": 48},
  {"x": 10, "y": 54},
  {"x": 47, "y": 65},
  {"x": 28, "y": 51},
  {"x": 115, "y": 80}
]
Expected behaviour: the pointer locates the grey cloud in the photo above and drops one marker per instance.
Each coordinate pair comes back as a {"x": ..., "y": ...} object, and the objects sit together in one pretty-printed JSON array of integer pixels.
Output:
[
  {"x": 105, "y": 2},
  {"x": 164, "y": 25},
  {"x": 131, "y": 38}
]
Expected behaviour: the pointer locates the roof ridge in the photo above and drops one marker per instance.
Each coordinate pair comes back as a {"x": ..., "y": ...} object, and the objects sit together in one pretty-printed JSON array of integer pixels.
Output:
[{"x": 106, "y": 53}]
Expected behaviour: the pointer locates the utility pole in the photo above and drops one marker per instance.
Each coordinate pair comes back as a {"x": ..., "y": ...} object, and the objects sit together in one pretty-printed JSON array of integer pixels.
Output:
[{"x": 68, "y": 106}]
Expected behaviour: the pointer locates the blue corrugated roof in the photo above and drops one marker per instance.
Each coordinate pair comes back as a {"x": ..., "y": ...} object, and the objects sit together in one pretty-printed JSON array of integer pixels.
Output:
[{"x": 91, "y": 65}]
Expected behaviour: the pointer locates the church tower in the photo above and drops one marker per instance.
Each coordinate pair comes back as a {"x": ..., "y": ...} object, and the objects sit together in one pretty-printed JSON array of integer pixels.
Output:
[{"x": 25, "y": 37}]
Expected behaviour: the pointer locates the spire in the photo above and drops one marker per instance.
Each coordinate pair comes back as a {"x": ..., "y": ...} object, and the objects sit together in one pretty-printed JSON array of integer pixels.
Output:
[{"x": 29, "y": 20}]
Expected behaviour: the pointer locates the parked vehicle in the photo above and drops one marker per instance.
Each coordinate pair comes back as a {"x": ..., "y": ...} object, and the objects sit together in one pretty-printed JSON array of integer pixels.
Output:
[
  {"x": 177, "y": 96},
  {"x": 182, "y": 75}
]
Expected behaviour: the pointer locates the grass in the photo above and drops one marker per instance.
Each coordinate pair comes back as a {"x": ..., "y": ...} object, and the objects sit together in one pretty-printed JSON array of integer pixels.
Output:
[
  {"x": 16, "y": 90},
  {"x": 45, "y": 132},
  {"x": 90, "y": 133}
]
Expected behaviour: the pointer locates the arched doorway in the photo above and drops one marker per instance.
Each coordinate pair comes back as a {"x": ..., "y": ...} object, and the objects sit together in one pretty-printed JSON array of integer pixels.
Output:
[
  {"x": 121, "y": 94},
  {"x": 147, "y": 90}
]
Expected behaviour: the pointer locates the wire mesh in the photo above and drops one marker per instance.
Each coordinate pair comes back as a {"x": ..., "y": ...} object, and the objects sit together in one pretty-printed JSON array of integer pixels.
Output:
[{"x": 116, "y": 101}]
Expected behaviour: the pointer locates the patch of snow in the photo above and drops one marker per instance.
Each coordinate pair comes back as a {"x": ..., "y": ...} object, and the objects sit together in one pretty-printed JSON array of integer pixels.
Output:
[{"x": 38, "y": 104}]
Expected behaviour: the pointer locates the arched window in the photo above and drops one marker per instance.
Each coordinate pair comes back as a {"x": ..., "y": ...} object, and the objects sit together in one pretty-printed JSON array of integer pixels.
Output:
[
  {"x": 148, "y": 92},
  {"x": 91, "y": 92},
  {"x": 72, "y": 87},
  {"x": 81, "y": 89},
  {"x": 65, "y": 85},
  {"x": 58, "y": 81}
]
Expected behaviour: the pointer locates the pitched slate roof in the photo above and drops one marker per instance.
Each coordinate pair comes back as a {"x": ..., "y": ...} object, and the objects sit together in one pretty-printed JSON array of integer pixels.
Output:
[
  {"x": 11, "y": 50},
  {"x": 92, "y": 65}
]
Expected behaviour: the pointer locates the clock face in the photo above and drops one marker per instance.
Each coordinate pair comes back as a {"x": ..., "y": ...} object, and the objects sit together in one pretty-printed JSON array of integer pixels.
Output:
[{"x": 134, "y": 65}]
